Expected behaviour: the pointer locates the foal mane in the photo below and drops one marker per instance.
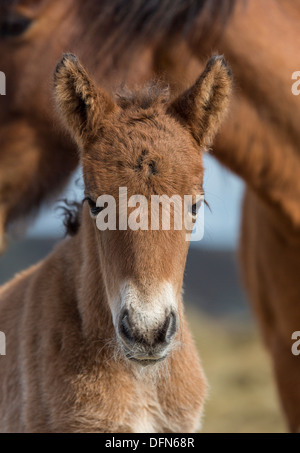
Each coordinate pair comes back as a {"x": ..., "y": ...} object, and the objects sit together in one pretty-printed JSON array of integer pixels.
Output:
[{"x": 71, "y": 212}]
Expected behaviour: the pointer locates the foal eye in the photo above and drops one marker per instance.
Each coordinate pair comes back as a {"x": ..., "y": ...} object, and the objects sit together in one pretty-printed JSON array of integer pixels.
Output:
[
  {"x": 14, "y": 25},
  {"x": 196, "y": 206},
  {"x": 194, "y": 209},
  {"x": 95, "y": 210}
]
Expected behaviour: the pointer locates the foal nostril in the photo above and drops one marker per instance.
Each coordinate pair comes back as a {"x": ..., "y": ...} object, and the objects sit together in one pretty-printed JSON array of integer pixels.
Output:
[
  {"x": 168, "y": 329},
  {"x": 125, "y": 328}
]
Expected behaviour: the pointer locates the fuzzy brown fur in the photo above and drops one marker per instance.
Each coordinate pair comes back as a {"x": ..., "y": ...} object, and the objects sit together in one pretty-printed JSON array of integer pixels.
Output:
[{"x": 64, "y": 370}]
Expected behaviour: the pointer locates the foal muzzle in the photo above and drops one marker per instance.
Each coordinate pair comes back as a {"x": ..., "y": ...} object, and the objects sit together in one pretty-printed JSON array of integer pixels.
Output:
[{"x": 144, "y": 344}]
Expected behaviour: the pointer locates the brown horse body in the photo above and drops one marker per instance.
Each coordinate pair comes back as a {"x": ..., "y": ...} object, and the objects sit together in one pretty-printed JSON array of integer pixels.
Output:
[
  {"x": 260, "y": 141},
  {"x": 97, "y": 340}
]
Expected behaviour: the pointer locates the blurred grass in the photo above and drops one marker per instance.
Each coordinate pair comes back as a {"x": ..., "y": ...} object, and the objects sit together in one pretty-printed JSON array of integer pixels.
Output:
[{"x": 242, "y": 397}]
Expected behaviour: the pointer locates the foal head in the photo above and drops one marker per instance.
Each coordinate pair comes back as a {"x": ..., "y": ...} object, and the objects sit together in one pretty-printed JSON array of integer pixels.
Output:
[{"x": 149, "y": 145}]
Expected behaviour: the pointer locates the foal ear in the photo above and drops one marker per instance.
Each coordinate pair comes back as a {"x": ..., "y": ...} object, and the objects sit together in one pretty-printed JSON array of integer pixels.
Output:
[
  {"x": 80, "y": 102},
  {"x": 203, "y": 106}
]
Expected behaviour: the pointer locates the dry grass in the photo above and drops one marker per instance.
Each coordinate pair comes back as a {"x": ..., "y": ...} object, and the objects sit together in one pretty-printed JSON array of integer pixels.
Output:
[{"x": 242, "y": 392}]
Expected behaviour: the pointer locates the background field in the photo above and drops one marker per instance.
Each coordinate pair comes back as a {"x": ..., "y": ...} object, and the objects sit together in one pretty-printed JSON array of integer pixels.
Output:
[{"x": 242, "y": 394}]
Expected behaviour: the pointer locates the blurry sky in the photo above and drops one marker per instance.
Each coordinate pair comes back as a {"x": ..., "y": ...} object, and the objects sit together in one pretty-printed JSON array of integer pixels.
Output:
[{"x": 223, "y": 191}]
